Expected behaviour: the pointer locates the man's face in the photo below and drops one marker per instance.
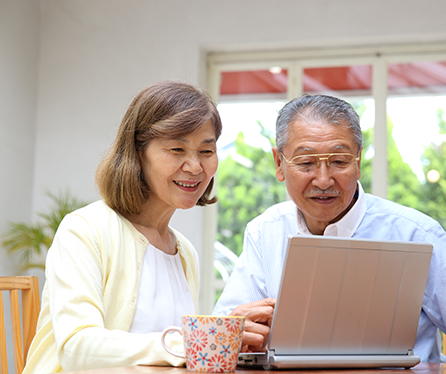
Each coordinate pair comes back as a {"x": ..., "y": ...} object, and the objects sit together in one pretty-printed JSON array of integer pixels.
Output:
[{"x": 325, "y": 194}]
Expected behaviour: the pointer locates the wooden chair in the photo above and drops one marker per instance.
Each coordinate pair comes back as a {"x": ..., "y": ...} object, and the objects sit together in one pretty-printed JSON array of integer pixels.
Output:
[
  {"x": 29, "y": 287},
  {"x": 443, "y": 341}
]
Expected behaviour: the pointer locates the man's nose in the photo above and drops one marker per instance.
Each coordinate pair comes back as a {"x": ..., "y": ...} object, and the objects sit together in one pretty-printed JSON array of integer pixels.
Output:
[{"x": 323, "y": 178}]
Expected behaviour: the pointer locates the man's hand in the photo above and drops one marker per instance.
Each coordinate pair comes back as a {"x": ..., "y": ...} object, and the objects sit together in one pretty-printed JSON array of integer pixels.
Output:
[{"x": 258, "y": 317}]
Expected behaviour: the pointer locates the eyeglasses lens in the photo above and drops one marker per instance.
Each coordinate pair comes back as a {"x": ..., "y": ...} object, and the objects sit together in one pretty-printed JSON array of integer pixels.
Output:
[{"x": 334, "y": 162}]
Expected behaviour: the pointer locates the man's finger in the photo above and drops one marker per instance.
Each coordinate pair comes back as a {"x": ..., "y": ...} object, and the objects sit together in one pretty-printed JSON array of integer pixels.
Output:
[
  {"x": 253, "y": 342},
  {"x": 264, "y": 302},
  {"x": 257, "y": 328},
  {"x": 245, "y": 309},
  {"x": 261, "y": 315},
  {"x": 258, "y": 317},
  {"x": 255, "y": 335}
]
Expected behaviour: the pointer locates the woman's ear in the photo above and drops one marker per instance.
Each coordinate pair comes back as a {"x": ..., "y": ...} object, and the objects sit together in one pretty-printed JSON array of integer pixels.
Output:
[
  {"x": 140, "y": 155},
  {"x": 278, "y": 162}
]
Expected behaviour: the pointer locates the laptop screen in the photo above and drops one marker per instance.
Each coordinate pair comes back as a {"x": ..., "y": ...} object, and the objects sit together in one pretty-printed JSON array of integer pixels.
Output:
[{"x": 349, "y": 296}]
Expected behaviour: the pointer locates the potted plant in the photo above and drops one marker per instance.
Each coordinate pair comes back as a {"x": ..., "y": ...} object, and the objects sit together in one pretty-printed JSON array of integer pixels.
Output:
[{"x": 32, "y": 241}]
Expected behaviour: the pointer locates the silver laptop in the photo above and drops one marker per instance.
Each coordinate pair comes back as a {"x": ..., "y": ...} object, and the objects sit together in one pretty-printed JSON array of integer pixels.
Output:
[{"x": 346, "y": 303}]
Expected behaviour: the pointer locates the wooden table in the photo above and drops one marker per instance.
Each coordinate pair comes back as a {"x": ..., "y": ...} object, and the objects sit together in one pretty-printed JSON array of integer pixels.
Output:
[{"x": 419, "y": 369}]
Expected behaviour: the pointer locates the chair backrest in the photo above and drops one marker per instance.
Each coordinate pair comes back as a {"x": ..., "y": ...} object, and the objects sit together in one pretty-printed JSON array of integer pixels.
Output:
[
  {"x": 443, "y": 343},
  {"x": 29, "y": 287}
]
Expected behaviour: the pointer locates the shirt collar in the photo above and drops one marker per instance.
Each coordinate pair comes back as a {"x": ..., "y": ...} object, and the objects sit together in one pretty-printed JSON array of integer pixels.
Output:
[{"x": 346, "y": 226}]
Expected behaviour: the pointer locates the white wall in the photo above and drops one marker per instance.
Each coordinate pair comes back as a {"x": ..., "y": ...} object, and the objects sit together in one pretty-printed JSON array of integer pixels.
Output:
[
  {"x": 94, "y": 56},
  {"x": 18, "y": 96}
]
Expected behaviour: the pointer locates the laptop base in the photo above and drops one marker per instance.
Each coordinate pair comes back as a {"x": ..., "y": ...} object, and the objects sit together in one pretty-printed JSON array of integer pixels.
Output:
[{"x": 268, "y": 360}]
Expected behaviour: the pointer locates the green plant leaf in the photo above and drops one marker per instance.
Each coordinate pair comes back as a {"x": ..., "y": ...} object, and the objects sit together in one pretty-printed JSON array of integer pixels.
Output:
[
  {"x": 22, "y": 236},
  {"x": 62, "y": 205},
  {"x": 31, "y": 242}
]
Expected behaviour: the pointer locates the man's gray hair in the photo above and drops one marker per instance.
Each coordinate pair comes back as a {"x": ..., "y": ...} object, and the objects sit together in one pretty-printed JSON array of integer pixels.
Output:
[{"x": 317, "y": 108}]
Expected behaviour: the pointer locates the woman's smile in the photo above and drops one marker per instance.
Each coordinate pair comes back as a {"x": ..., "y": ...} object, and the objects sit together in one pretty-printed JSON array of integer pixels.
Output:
[{"x": 187, "y": 186}]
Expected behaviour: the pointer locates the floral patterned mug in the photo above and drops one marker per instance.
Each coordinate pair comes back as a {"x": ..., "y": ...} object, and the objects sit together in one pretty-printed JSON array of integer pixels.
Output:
[{"x": 211, "y": 343}]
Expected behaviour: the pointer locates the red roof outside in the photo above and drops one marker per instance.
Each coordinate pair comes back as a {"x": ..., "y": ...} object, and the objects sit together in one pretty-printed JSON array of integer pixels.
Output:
[{"x": 421, "y": 75}]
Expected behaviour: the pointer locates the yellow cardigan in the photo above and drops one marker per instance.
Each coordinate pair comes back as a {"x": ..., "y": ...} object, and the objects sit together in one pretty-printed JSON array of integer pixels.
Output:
[{"x": 93, "y": 272}]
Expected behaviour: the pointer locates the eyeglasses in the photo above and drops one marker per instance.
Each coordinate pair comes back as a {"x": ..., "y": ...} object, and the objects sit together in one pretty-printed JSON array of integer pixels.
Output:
[{"x": 335, "y": 161}]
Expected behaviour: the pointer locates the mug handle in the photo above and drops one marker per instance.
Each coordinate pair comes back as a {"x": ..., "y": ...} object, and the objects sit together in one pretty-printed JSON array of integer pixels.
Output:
[{"x": 163, "y": 334}]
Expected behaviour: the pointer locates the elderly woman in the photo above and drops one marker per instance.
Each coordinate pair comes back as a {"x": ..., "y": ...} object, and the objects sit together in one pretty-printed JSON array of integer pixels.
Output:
[{"x": 117, "y": 274}]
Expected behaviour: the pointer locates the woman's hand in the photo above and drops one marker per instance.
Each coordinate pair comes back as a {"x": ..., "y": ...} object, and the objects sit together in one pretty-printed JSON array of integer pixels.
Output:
[{"x": 258, "y": 317}]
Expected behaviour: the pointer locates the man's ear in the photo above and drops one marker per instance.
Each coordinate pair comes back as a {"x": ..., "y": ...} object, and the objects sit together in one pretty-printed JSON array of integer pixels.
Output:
[
  {"x": 359, "y": 163},
  {"x": 278, "y": 162}
]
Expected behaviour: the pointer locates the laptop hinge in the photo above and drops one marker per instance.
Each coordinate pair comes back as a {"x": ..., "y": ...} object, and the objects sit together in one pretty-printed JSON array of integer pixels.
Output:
[{"x": 270, "y": 359}]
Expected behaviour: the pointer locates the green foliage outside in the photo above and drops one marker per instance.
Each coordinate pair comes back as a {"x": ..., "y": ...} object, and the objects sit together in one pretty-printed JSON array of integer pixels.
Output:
[
  {"x": 367, "y": 144},
  {"x": 403, "y": 185},
  {"x": 32, "y": 241},
  {"x": 245, "y": 192},
  {"x": 433, "y": 195},
  {"x": 435, "y": 158}
]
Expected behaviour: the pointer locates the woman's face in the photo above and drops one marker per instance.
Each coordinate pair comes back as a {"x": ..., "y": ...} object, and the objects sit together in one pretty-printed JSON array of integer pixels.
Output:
[{"x": 178, "y": 171}]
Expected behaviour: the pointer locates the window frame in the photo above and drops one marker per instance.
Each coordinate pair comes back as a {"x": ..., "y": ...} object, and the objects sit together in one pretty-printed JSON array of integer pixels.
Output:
[{"x": 295, "y": 61}]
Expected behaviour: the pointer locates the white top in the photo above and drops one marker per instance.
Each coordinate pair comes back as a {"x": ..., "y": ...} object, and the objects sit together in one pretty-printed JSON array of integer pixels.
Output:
[{"x": 164, "y": 294}]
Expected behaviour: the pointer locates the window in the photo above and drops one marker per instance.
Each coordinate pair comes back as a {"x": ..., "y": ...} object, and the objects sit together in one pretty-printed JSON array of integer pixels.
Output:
[
  {"x": 399, "y": 92},
  {"x": 246, "y": 182},
  {"x": 416, "y": 109}
]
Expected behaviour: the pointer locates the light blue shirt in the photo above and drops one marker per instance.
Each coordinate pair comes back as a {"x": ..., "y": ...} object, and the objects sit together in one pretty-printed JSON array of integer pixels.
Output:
[{"x": 257, "y": 273}]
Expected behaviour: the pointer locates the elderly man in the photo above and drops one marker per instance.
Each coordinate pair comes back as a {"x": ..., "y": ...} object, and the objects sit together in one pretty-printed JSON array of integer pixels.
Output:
[{"x": 318, "y": 155}]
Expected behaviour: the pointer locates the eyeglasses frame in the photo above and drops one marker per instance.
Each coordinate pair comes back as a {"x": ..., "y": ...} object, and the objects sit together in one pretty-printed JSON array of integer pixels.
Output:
[{"x": 318, "y": 155}]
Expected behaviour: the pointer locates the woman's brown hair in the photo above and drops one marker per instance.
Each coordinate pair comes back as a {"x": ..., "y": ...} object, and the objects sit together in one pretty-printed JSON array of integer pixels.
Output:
[{"x": 165, "y": 109}]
